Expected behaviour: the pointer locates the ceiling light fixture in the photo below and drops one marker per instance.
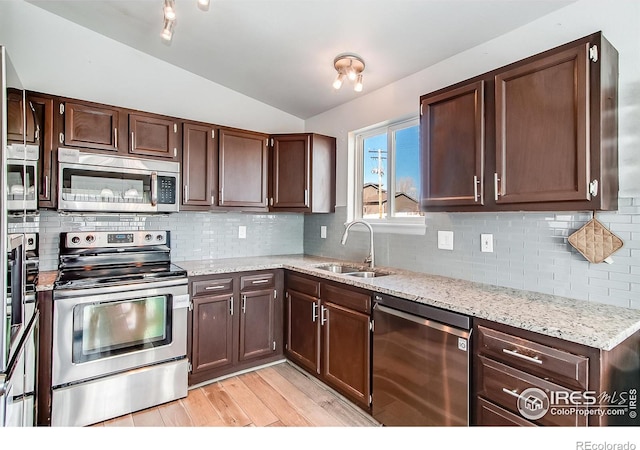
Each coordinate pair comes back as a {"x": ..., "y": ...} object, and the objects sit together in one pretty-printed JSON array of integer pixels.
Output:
[
  {"x": 167, "y": 30},
  {"x": 169, "y": 12},
  {"x": 348, "y": 66}
]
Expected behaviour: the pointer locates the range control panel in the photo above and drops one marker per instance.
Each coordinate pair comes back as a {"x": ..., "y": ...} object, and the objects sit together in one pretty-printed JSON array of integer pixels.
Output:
[{"x": 99, "y": 239}]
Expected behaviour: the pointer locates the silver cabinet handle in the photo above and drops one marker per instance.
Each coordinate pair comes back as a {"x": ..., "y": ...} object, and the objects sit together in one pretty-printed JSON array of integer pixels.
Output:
[
  {"x": 475, "y": 188},
  {"x": 306, "y": 197},
  {"x": 231, "y": 305},
  {"x": 46, "y": 186},
  {"x": 133, "y": 141},
  {"x": 244, "y": 304},
  {"x": 115, "y": 137},
  {"x": 259, "y": 281},
  {"x": 533, "y": 359},
  {"x": 213, "y": 288},
  {"x": 213, "y": 200},
  {"x": 154, "y": 188},
  {"x": 323, "y": 319},
  {"x": 512, "y": 393},
  {"x": 495, "y": 185},
  {"x": 314, "y": 312},
  {"x": 186, "y": 193}
]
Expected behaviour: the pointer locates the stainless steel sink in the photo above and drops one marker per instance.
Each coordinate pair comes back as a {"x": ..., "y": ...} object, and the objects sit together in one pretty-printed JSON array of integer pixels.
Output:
[
  {"x": 339, "y": 268},
  {"x": 367, "y": 274}
]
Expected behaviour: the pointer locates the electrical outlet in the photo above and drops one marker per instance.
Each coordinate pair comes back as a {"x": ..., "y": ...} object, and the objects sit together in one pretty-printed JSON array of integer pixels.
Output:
[
  {"x": 445, "y": 240},
  {"x": 242, "y": 232},
  {"x": 323, "y": 231},
  {"x": 486, "y": 243}
]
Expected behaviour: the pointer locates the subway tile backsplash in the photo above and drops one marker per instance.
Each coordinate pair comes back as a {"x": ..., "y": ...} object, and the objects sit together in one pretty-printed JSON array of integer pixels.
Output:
[
  {"x": 531, "y": 251},
  {"x": 194, "y": 235}
]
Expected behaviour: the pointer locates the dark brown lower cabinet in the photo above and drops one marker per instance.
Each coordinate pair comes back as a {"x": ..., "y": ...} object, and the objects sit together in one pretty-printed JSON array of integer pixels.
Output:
[
  {"x": 523, "y": 378},
  {"x": 236, "y": 323},
  {"x": 328, "y": 333}
]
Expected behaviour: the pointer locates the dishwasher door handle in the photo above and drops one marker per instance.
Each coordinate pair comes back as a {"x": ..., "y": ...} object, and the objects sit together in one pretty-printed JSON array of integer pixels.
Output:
[{"x": 422, "y": 321}]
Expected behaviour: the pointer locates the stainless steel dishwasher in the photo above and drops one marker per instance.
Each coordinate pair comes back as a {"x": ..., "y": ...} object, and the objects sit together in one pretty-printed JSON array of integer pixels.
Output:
[{"x": 421, "y": 358}]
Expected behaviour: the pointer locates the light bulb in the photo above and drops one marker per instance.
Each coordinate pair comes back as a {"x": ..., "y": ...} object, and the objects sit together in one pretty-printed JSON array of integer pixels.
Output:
[
  {"x": 337, "y": 84},
  {"x": 167, "y": 31},
  {"x": 169, "y": 10},
  {"x": 351, "y": 73},
  {"x": 358, "y": 85},
  {"x": 203, "y": 5}
]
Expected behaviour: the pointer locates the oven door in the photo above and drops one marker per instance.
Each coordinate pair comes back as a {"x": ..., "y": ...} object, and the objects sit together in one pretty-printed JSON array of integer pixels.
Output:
[{"x": 95, "y": 335}]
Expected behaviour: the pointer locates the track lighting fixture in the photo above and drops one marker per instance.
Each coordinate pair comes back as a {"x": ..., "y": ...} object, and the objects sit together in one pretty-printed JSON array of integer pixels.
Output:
[
  {"x": 169, "y": 13},
  {"x": 348, "y": 66}
]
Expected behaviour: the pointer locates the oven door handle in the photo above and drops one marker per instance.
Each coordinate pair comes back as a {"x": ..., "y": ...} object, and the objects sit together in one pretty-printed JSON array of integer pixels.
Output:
[
  {"x": 115, "y": 293},
  {"x": 154, "y": 188}
]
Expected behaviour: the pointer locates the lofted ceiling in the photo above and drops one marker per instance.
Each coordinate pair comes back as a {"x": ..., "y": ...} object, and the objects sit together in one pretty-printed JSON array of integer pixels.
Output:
[{"x": 281, "y": 52}]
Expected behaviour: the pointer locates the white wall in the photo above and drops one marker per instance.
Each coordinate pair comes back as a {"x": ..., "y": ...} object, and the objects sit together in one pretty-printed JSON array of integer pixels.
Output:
[
  {"x": 56, "y": 56},
  {"x": 618, "y": 20}
]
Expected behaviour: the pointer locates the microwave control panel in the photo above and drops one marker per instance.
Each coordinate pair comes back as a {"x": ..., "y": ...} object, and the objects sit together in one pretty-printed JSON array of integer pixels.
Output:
[{"x": 166, "y": 190}]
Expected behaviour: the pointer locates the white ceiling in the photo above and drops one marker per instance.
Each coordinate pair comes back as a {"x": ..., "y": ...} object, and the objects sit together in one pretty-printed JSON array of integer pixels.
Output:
[{"x": 281, "y": 52}]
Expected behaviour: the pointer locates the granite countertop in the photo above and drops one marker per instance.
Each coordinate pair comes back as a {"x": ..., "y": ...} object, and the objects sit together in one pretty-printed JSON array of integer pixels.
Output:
[{"x": 593, "y": 324}]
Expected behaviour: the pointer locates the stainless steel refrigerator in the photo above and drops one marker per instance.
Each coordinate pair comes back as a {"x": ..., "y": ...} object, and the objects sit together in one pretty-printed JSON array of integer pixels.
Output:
[{"x": 19, "y": 324}]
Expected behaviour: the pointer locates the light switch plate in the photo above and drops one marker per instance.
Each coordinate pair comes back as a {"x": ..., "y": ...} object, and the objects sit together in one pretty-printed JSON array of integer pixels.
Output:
[
  {"x": 323, "y": 231},
  {"x": 486, "y": 243},
  {"x": 445, "y": 240},
  {"x": 242, "y": 232}
]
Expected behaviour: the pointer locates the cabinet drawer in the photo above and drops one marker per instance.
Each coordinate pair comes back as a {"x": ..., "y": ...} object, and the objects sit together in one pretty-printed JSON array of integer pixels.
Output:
[
  {"x": 357, "y": 301},
  {"x": 303, "y": 285},
  {"x": 502, "y": 385},
  {"x": 260, "y": 281},
  {"x": 212, "y": 287},
  {"x": 547, "y": 362},
  {"x": 491, "y": 415}
]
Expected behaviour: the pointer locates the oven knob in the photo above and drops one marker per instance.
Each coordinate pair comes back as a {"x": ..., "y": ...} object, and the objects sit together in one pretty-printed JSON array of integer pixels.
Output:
[
  {"x": 75, "y": 240},
  {"x": 159, "y": 237},
  {"x": 90, "y": 238},
  {"x": 148, "y": 237}
]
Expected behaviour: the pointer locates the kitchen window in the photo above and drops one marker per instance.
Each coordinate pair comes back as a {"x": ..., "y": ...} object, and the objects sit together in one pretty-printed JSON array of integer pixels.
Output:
[{"x": 385, "y": 181}]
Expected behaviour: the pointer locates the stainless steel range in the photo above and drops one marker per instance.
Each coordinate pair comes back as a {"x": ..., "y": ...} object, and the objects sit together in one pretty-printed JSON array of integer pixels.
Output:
[{"x": 119, "y": 326}]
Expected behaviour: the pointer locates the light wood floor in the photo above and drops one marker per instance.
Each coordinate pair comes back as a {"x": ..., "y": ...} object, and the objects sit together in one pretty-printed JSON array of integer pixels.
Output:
[{"x": 279, "y": 395}]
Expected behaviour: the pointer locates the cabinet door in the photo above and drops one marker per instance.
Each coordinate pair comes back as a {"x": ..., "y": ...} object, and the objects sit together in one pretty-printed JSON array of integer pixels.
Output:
[
  {"x": 243, "y": 169},
  {"x": 303, "y": 330},
  {"x": 346, "y": 363},
  {"x": 291, "y": 172},
  {"x": 16, "y": 116},
  {"x": 153, "y": 136},
  {"x": 199, "y": 166},
  {"x": 257, "y": 319},
  {"x": 542, "y": 129},
  {"x": 90, "y": 126},
  {"x": 43, "y": 110},
  {"x": 212, "y": 344},
  {"x": 452, "y": 146}
]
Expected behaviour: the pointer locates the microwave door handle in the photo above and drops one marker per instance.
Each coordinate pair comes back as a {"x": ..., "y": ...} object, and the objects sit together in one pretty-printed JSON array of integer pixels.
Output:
[{"x": 154, "y": 188}]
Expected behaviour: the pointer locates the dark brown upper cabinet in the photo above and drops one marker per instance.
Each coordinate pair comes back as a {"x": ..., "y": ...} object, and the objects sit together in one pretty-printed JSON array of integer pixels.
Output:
[
  {"x": 91, "y": 126},
  {"x": 199, "y": 166},
  {"x": 153, "y": 135},
  {"x": 303, "y": 173},
  {"x": 43, "y": 108},
  {"x": 17, "y": 115},
  {"x": 243, "y": 169},
  {"x": 452, "y": 140},
  {"x": 550, "y": 135}
]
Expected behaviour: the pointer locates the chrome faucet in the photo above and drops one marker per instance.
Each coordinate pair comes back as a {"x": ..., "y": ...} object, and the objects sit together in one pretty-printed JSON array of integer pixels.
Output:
[{"x": 370, "y": 258}]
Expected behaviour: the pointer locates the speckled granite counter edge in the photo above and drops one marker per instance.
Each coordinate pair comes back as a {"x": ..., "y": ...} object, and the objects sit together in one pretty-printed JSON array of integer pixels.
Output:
[{"x": 572, "y": 320}]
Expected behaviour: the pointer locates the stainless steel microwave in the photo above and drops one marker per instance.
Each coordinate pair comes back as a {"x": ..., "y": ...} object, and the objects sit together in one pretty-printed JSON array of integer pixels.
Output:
[
  {"x": 22, "y": 177},
  {"x": 109, "y": 183}
]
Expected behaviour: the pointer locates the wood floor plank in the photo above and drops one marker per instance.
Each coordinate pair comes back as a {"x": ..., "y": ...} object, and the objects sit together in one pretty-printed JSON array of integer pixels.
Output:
[
  {"x": 253, "y": 407},
  {"x": 272, "y": 398},
  {"x": 174, "y": 414},
  {"x": 201, "y": 410},
  {"x": 149, "y": 417},
  {"x": 303, "y": 403},
  {"x": 231, "y": 413},
  {"x": 349, "y": 414},
  {"x": 122, "y": 421}
]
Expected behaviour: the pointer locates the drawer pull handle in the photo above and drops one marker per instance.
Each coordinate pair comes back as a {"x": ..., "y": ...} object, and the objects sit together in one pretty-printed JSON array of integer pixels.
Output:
[
  {"x": 533, "y": 359},
  {"x": 213, "y": 288},
  {"x": 513, "y": 393},
  {"x": 259, "y": 281}
]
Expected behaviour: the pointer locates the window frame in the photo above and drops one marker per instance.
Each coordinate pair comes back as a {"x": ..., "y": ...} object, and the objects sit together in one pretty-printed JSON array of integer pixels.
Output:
[{"x": 389, "y": 224}]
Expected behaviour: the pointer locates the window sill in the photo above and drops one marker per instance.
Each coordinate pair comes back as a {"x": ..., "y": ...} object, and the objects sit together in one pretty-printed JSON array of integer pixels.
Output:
[{"x": 409, "y": 228}]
